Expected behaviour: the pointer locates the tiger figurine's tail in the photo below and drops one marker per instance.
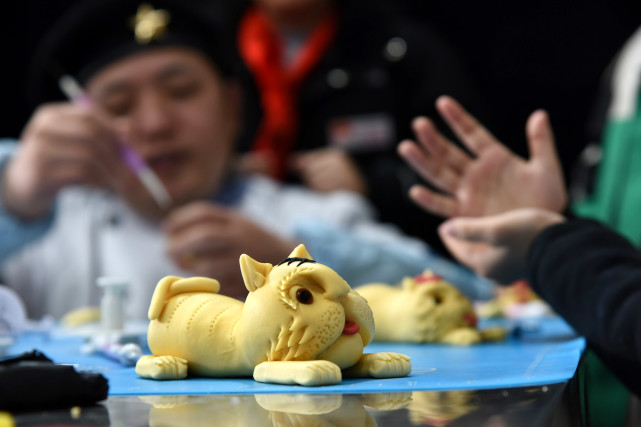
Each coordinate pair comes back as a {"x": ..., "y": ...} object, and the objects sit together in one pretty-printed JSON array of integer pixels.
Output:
[{"x": 170, "y": 286}]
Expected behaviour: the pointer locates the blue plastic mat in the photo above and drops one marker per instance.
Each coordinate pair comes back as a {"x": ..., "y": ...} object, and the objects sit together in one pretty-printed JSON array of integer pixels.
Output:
[{"x": 547, "y": 353}]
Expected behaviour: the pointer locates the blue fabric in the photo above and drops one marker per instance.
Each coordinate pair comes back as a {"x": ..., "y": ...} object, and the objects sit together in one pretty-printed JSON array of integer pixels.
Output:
[
  {"x": 548, "y": 353},
  {"x": 14, "y": 233}
]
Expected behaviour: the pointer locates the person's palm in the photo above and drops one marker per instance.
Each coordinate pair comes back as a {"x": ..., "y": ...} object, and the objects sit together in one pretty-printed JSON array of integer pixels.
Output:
[
  {"x": 498, "y": 181},
  {"x": 489, "y": 179}
]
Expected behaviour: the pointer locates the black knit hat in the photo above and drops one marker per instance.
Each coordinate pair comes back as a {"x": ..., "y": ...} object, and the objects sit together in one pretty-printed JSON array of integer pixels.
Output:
[{"x": 94, "y": 33}]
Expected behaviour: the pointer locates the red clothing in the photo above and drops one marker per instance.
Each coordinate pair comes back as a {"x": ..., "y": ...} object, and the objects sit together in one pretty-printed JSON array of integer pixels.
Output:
[{"x": 262, "y": 50}]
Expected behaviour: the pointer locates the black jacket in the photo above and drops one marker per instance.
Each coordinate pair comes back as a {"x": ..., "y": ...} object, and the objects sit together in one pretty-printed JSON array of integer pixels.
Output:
[
  {"x": 591, "y": 276},
  {"x": 395, "y": 71}
]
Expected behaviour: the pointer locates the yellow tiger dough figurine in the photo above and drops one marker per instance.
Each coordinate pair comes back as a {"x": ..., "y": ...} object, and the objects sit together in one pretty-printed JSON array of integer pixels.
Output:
[
  {"x": 300, "y": 324},
  {"x": 425, "y": 309}
]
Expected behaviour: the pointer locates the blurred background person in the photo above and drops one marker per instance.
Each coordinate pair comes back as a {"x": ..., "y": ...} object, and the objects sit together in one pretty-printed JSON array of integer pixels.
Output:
[
  {"x": 553, "y": 57},
  {"x": 330, "y": 89},
  {"x": 160, "y": 83}
]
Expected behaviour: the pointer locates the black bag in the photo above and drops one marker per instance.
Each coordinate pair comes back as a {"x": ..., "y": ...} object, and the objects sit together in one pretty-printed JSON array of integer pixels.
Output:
[{"x": 32, "y": 381}]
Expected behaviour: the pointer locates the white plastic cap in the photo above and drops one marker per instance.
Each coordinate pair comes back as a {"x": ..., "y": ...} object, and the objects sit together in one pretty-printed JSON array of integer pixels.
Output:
[{"x": 112, "y": 305}]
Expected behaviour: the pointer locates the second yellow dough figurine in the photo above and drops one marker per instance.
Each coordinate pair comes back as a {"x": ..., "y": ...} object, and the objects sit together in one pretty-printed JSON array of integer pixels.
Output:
[
  {"x": 425, "y": 309},
  {"x": 300, "y": 324}
]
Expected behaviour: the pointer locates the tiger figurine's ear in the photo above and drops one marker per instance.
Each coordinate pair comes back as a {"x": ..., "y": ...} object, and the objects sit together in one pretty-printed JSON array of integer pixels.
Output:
[
  {"x": 254, "y": 272},
  {"x": 300, "y": 252}
]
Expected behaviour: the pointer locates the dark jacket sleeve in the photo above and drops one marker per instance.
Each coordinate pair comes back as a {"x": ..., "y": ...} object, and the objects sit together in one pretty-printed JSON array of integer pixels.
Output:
[{"x": 591, "y": 276}]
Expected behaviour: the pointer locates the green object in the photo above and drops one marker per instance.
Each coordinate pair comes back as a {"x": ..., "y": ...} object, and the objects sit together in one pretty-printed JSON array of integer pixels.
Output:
[
  {"x": 606, "y": 399},
  {"x": 617, "y": 197},
  {"x": 616, "y": 201}
]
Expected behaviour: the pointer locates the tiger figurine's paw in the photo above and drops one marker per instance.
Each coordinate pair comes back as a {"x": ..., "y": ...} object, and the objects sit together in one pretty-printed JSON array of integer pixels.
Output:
[
  {"x": 307, "y": 373},
  {"x": 162, "y": 367},
  {"x": 381, "y": 365},
  {"x": 462, "y": 336}
]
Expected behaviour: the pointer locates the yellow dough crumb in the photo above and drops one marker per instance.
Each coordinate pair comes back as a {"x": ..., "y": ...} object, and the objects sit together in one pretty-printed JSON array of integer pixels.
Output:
[
  {"x": 6, "y": 420},
  {"x": 81, "y": 316}
]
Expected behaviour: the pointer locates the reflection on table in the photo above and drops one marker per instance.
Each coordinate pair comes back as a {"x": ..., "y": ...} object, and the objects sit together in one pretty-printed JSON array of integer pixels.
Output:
[{"x": 534, "y": 406}]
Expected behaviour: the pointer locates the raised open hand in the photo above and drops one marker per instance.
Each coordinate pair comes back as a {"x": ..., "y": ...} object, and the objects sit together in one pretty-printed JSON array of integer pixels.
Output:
[{"x": 489, "y": 179}]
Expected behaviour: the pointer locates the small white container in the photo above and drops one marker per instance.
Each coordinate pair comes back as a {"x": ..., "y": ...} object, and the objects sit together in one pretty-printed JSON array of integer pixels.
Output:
[{"x": 112, "y": 305}]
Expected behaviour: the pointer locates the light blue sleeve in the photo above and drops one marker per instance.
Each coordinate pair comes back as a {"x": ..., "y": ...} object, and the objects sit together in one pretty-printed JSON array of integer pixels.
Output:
[
  {"x": 360, "y": 260},
  {"x": 15, "y": 233}
]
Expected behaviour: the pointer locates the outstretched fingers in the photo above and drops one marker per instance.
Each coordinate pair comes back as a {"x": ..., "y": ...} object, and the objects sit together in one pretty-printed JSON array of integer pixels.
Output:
[
  {"x": 471, "y": 132},
  {"x": 539, "y": 135},
  {"x": 434, "y": 158},
  {"x": 541, "y": 140},
  {"x": 545, "y": 160},
  {"x": 429, "y": 168},
  {"x": 431, "y": 201},
  {"x": 439, "y": 146}
]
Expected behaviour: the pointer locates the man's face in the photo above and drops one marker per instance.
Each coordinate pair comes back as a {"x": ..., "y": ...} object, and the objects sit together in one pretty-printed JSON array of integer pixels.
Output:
[{"x": 172, "y": 107}]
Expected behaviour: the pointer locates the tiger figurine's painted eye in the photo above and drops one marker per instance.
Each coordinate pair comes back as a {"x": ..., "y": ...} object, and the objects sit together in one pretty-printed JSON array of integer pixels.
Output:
[{"x": 304, "y": 296}]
